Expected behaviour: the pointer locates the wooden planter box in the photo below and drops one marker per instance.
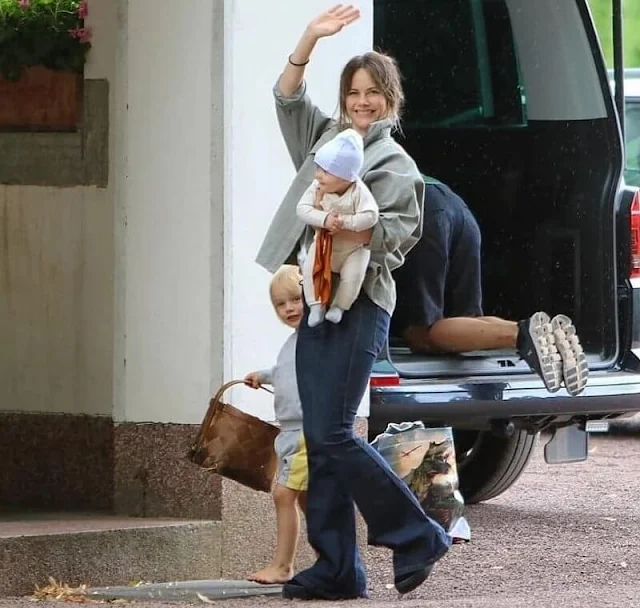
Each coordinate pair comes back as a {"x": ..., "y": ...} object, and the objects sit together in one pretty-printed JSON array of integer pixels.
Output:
[{"x": 42, "y": 100}]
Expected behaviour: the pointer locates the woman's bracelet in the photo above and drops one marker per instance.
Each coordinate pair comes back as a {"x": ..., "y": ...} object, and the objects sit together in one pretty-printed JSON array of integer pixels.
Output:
[{"x": 298, "y": 65}]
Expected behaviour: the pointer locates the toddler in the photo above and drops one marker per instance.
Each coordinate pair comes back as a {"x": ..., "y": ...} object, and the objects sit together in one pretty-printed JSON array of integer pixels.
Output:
[{"x": 291, "y": 484}]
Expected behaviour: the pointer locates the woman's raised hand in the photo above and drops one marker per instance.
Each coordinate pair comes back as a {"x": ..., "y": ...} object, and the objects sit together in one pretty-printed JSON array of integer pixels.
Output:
[
  {"x": 332, "y": 21},
  {"x": 326, "y": 24}
]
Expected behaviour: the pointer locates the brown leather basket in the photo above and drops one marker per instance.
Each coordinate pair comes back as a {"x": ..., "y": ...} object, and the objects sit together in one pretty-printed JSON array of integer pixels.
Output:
[{"x": 235, "y": 444}]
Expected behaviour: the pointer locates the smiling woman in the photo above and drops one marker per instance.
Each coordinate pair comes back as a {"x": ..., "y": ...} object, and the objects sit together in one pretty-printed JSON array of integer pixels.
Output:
[
  {"x": 370, "y": 91},
  {"x": 334, "y": 360}
]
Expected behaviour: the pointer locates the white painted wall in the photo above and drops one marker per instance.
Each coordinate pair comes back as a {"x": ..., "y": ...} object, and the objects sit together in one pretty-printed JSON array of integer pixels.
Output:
[
  {"x": 259, "y": 36},
  {"x": 165, "y": 288},
  {"x": 56, "y": 281}
]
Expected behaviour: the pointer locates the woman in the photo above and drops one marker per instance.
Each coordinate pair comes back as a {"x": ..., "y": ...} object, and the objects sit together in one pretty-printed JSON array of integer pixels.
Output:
[{"x": 334, "y": 361}]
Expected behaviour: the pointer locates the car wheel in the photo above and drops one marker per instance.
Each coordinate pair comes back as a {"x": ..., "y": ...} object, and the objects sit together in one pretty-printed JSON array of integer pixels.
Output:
[{"x": 488, "y": 464}]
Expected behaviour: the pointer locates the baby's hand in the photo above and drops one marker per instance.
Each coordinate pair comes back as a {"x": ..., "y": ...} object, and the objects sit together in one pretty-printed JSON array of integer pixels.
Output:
[
  {"x": 334, "y": 222},
  {"x": 253, "y": 380}
]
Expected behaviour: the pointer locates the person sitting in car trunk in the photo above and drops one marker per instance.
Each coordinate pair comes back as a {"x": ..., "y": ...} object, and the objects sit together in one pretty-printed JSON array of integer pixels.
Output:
[{"x": 441, "y": 308}]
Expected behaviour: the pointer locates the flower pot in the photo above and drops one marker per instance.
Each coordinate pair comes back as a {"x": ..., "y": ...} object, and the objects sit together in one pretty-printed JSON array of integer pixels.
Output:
[{"x": 42, "y": 100}]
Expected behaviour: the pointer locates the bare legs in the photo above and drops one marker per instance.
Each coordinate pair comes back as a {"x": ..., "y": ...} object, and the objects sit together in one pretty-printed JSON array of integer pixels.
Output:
[
  {"x": 463, "y": 334},
  {"x": 280, "y": 570}
]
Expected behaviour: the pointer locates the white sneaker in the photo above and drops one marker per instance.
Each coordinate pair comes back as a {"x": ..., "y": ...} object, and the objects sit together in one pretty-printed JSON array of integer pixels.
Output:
[
  {"x": 575, "y": 368},
  {"x": 536, "y": 345}
]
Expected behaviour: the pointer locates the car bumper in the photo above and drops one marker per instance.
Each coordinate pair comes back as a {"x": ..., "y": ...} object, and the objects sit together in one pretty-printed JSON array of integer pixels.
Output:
[{"x": 475, "y": 403}]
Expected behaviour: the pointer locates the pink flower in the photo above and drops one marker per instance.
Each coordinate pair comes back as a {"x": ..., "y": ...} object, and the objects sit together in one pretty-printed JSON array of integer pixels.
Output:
[
  {"x": 83, "y": 9},
  {"x": 24, "y": 4},
  {"x": 83, "y": 34}
]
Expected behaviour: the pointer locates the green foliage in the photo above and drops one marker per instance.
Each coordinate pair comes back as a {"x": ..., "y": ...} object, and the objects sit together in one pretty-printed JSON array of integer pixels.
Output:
[
  {"x": 42, "y": 32},
  {"x": 602, "y": 15}
]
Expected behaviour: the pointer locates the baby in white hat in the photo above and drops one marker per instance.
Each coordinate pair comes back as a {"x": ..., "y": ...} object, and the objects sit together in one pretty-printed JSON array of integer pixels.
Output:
[{"x": 336, "y": 200}]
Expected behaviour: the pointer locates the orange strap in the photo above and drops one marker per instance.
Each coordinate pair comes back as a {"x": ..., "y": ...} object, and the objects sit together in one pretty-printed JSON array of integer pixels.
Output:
[{"x": 322, "y": 267}]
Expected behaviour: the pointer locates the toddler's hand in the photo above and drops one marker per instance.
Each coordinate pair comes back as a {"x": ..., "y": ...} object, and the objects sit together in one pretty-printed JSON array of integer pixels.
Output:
[{"x": 253, "y": 380}]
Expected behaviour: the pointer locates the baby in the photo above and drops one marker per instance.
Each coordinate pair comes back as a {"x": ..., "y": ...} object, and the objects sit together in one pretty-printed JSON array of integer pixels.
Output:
[
  {"x": 337, "y": 201},
  {"x": 291, "y": 484}
]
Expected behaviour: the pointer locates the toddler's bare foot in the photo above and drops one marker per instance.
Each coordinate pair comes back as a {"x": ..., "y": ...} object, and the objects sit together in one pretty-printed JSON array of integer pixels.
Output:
[{"x": 272, "y": 575}]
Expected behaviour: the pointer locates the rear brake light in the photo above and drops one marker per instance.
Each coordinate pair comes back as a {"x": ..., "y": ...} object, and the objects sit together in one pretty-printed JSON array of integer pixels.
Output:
[
  {"x": 387, "y": 380},
  {"x": 634, "y": 271}
]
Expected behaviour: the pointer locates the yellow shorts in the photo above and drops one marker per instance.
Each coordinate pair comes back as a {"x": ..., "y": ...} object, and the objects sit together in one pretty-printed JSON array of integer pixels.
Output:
[{"x": 293, "y": 469}]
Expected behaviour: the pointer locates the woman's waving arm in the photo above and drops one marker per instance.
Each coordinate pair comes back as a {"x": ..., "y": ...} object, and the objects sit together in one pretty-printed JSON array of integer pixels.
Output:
[
  {"x": 301, "y": 122},
  {"x": 327, "y": 23}
]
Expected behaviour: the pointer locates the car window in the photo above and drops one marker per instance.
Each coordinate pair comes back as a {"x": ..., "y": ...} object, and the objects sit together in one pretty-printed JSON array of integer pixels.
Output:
[
  {"x": 632, "y": 136},
  {"x": 467, "y": 71}
]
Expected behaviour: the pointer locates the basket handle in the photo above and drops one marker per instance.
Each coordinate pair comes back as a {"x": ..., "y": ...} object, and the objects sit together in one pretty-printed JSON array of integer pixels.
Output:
[
  {"x": 214, "y": 404},
  {"x": 218, "y": 396}
]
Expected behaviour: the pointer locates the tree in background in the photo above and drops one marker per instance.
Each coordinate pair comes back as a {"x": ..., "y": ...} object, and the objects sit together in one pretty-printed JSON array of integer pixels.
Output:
[{"x": 602, "y": 15}]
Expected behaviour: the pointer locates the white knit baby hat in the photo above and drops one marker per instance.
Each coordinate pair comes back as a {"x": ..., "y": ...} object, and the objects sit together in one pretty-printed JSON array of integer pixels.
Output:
[{"x": 343, "y": 156}]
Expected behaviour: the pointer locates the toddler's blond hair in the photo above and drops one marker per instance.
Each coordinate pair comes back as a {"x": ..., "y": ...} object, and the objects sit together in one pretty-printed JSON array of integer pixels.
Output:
[{"x": 288, "y": 279}]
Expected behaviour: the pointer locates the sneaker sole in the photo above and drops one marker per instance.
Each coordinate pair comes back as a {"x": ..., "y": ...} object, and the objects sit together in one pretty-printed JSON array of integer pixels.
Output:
[
  {"x": 575, "y": 369},
  {"x": 542, "y": 336}
]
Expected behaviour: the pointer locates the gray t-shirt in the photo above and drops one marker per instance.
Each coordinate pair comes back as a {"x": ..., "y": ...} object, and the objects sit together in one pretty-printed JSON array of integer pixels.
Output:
[{"x": 282, "y": 376}]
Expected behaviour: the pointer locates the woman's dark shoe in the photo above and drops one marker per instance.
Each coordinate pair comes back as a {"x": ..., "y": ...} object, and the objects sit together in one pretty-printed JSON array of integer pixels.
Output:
[
  {"x": 406, "y": 583},
  {"x": 296, "y": 591},
  {"x": 409, "y": 582}
]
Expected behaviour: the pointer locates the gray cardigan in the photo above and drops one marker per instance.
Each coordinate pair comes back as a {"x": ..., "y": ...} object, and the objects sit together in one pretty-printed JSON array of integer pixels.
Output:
[{"x": 388, "y": 171}]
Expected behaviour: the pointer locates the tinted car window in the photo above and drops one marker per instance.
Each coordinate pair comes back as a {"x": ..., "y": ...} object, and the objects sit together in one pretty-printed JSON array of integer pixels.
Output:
[{"x": 467, "y": 70}]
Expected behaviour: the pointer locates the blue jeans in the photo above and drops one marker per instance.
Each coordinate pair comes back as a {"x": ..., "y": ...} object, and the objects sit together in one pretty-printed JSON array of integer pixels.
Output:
[{"x": 333, "y": 365}]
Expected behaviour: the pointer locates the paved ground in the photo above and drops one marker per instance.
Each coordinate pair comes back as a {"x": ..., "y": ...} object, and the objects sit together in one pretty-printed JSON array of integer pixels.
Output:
[{"x": 564, "y": 536}]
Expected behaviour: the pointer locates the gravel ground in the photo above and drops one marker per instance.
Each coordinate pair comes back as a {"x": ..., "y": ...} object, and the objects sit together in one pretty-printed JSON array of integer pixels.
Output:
[{"x": 563, "y": 536}]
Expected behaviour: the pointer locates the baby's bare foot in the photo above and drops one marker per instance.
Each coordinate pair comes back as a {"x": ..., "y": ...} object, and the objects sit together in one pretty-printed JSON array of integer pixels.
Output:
[{"x": 272, "y": 575}]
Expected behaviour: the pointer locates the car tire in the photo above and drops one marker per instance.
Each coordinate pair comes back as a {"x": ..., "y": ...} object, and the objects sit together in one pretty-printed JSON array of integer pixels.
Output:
[{"x": 489, "y": 464}]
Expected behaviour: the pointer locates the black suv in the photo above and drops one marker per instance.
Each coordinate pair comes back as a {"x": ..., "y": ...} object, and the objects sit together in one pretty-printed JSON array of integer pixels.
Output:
[{"x": 508, "y": 102}]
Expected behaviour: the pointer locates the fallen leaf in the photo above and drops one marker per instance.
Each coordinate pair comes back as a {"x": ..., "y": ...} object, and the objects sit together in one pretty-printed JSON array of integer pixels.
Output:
[
  {"x": 60, "y": 592},
  {"x": 204, "y": 598}
]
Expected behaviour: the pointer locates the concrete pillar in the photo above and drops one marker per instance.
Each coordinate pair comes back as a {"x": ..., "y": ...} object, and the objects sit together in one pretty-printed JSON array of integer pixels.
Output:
[
  {"x": 169, "y": 274},
  {"x": 169, "y": 267}
]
